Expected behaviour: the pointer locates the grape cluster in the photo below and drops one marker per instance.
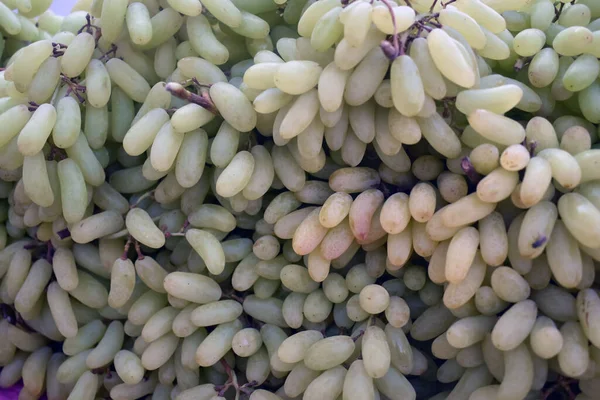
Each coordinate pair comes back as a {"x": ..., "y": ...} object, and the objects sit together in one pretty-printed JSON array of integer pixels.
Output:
[{"x": 300, "y": 199}]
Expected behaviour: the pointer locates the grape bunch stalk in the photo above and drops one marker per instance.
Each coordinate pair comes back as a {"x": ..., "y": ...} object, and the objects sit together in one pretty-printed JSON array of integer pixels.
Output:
[{"x": 300, "y": 199}]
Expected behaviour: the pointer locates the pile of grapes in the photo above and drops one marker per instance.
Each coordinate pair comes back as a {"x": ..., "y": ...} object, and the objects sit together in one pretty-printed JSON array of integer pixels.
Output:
[{"x": 300, "y": 199}]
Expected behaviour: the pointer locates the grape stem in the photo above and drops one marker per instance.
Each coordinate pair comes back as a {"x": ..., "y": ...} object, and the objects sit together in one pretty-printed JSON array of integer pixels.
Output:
[
  {"x": 232, "y": 381},
  {"x": 100, "y": 371},
  {"x": 358, "y": 336},
  {"x": 142, "y": 198},
  {"x": 532, "y": 146},
  {"x": 8, "y": 313},
  {"x": 558, "y": 11},
  {"x": 49, "y": 251},
  {"x": 21, "y": 323},
  {"x": 181, "y": 231},
  {"x": 110, "y": 53},
  {"x": 395, "y": 45},
  {"x": 448, "y": 103},
  {"x": 233, "y": 296},
  {"x": 521, "y": 63},
  {"x": 14, "y": 318},
  {"x": 540, "y": 241},
  {"x": 32, "y": 106},
  {"x": 74, "y": 88},
  {"x": 186, "y": 225},
  {"x": 194, "y": 82},
  {"x": 58, "y": 49},
  {"x": 204, "y": 100},
  {"x": 387, "y": 189},
  {"x": 469, "y": 170},
  {"x": 126, "y": 247},
  {"x": 90, "y": 28},
  {"x": 138, "y": 250},
  {"x": 32, "y": 245},
  {"x": 57, "y": 154},
  {"x": 63, "y": 233},
  {"x": 41, "y": 250},
  {"x": 433, "y": 5},
  {"x": 170, "y": 234},
  {"x": 563, "y": 384},
  {"x": 401, "y": 43}
]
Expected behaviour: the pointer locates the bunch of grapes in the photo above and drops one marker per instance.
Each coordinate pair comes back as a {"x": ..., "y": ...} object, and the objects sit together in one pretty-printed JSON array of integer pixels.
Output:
[{"x": 300, "y": 199}]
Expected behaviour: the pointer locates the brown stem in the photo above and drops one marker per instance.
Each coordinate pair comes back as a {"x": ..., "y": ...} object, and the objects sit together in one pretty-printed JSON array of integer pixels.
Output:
[
  {"x": 49, "y": 251},
  {"x": 231, "y": 381},
  {"x": 562, "y": 384},
  {"x": 404, "y": 38},
  {"x": 170, "y": 234},
  {"x": 74, "y": 87},
  {"x": 393, "y": 15},
  {"x": 469, "y": 170},
  {"x": 90, "y": 28},
  {"x": 394, "y": 50},
  {"x": 360, "y": 334},
  {"x": 540, "y": 241},
  {"x": 32, "y": 106},
  {"x": 204, "y": 101},
  {"x": 57, "y": 154},
  {"x": 142, "y": 198},
  {"x": 21, "y": 323},
  {"x": 389, "y": 50},
  {"x": 400, "y": 43},
  {"x": 110, "y": 53},
  {"x": 532, "y": 146},
  {"x": 8, "y": 313},
  {"x": 58, "y": 49},
  {"x": 88, "y": 24},
  {"x": 33, "y": 246},
  {"x": 181, "y": 231},
  {"x": 234, "y": 296},
  {"x": 198, "y": 85},
  {"x": 448, "y": 104},
  {"x": 126, "y": 247},
  {"x": 433, "y": 5},
  {"x": 558, "y": 11},
  {"x": 184, "y": 227},
  {"x": 138, "y": 250},
  {"x": 521, "y": 63},
  {"x": 248, "y": 388},
  {"x": 100, "y": 371},
  {"x": 64, "y": 233}
]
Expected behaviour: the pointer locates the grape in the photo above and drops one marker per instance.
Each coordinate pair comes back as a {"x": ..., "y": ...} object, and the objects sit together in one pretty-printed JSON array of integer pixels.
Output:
[{"x": 270, "y": 199}]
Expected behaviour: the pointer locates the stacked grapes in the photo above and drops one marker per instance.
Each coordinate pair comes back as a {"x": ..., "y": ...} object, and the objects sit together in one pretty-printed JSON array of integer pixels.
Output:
[{"x": 300, "y": 199}]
